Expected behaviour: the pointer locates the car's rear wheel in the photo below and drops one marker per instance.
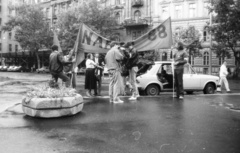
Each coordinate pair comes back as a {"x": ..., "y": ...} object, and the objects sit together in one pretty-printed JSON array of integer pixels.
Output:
[
  {"x": 209, "y": 89},
  {"x": 152, "y": 90}
]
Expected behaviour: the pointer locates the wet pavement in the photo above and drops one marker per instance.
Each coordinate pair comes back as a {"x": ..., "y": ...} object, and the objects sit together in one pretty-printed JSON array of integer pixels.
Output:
[{"x": 198, "y": 124}]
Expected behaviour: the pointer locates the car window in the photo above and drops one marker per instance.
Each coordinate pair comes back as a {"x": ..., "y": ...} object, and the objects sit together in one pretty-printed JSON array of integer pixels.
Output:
[
  {"x": 188, "y": 69},
  {"x": 165, "y": 68}
]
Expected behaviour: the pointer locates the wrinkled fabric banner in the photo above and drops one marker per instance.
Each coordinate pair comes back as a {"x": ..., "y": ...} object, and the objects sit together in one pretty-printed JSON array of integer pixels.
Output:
[
  {"x": 157, "y": 38},
  {"x": 56, "y": 41},
  {"x": 89, "y": 41}
]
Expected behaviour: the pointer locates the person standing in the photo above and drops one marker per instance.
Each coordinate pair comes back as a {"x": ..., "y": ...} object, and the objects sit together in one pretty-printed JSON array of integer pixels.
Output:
[
  {"x": 98, "y": 73},
  {"x": 223, "y": 77},
  {"x": 133, "y": 69},
  {"x": 180, "y": 58},
  {"x": 112, "y": 59},
  {"x": 56, "y": 63},
  {"x": 90, "y": 79}
]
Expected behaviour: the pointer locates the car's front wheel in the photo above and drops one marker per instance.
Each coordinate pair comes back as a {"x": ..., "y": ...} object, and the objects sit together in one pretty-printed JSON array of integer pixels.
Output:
[
  {"x": 152, "y": 90},
  {"x": 209, "y": 89}
]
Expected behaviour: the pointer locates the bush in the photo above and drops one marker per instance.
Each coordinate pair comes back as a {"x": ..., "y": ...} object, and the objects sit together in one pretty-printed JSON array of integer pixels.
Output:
[{"x": 46, "y": 91}]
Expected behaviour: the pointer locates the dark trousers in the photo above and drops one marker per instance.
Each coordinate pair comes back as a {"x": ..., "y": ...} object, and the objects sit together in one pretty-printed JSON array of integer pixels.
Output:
[
  {"x": 62, "y": 76},
  {"x": 178, "y": 76},
  {"x": 99, "y": 86}
]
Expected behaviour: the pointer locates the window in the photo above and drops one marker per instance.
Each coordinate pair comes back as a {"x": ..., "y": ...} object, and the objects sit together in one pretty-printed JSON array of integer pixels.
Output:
[
  {"x": 0, "y": 47},
  {"x": 137, "y": 15},
  {"x": 192, "y": 10},
  {"x": 205, "y": 34},
  {"x": 117, "y": 2},
  {"x": 16, "y": 48},
  {"x": 220, "y": 60},
  {"x": 136, "y": 34},
  {"x": 206, "y": 58},
  {"x": 164, "y": 56},
  {"x": 165, "y": 13},
  {"x": 10, "y": 47},
  {"x": 10, "y": 35},
  {"x": 178, "y": 11},
  {"x": 47, "y": 12},
  {"x": 118, "y": 17},
  {"x": 205, "y": 8}
]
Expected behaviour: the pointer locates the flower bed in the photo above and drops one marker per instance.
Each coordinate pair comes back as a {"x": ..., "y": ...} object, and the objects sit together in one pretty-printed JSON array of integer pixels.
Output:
[{"x": 46, "y": 102}]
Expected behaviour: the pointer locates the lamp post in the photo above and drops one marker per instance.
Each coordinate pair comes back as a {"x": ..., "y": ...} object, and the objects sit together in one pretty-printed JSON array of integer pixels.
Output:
[{"x": 210, "y": 53}]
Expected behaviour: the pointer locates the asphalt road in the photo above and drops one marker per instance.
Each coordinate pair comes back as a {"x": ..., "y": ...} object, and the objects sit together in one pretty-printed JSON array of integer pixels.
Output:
[{"x": 198, "y": 124}]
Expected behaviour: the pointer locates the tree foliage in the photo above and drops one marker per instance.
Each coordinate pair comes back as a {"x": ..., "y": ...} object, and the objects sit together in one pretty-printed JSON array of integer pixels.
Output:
[
  {"x": 31, "y": 29},
  {"x": 99, "y": 19},
  {"x": 190, "y": 36},
  {"x": 225, "y": 30}
]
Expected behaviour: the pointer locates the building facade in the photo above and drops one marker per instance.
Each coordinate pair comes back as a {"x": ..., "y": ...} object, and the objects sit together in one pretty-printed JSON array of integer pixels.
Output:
[{"x": 135, "y": 18}]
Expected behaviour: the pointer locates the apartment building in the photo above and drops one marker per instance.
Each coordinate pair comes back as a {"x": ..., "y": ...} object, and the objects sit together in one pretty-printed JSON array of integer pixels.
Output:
[{"x": 135, "y": 18}]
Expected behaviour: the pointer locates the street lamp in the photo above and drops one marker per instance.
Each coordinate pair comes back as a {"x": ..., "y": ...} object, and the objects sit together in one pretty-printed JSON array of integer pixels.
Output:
[{"x": 210, "y": 53}]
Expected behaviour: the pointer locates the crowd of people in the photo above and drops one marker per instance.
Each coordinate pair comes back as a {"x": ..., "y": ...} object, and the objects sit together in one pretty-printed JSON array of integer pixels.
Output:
[{"x": 122, "y": 63}]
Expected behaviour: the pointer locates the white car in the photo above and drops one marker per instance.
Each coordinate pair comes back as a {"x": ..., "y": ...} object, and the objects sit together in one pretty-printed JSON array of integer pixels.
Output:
[{"x": 159, "y": 77}]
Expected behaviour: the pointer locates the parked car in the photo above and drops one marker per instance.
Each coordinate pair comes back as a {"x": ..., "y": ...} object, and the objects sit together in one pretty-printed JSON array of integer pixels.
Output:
[
  {"x": 10, "y": 68},
  {"x": 4, "y": 68},
  {"x": 43, "y": 69},
  {"x": 159, "y": 77}
]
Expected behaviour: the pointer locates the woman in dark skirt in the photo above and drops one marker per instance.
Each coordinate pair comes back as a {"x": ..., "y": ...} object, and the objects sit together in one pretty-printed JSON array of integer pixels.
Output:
[{"x": 90, "y": 78}]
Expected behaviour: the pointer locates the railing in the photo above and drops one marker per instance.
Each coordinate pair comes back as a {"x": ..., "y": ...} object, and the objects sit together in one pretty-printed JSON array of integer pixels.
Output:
[
  {"x": 137, "y": 3},
  {"x": 137, "y": 22}
]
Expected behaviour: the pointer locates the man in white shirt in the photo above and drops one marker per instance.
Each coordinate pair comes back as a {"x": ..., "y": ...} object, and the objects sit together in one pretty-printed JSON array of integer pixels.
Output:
[{"x": 223, "y": 77}]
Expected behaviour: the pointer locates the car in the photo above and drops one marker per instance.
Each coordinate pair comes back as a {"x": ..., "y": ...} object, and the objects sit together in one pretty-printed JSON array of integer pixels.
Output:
[
  {"x": 43, "y": 69},
  {"x": 4, "y": 68},
  {"x": 10, "y": 68},
  {"x": 159, "y": 77},
  {"x": 105, "y": 71}
]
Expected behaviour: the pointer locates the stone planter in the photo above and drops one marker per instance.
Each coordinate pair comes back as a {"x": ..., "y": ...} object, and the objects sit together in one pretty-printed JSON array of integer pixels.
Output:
[{"x": 52, "y": 107}]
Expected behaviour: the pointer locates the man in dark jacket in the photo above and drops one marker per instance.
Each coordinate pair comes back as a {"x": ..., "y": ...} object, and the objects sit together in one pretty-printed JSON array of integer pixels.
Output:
[
  {"x": 133, "y": 68},
  {"x": 56, "y": 63}
]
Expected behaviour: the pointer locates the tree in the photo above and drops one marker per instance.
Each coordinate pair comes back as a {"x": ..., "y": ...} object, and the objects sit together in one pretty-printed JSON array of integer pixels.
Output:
[
  {"x": 99, "y": 19},
  {"x": 225, "y": 30},
  {"x": 191, "y": 38},
  {"x": 31, "y": 28}
]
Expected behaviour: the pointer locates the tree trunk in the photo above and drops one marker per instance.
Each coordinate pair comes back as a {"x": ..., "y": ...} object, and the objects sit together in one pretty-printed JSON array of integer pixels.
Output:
[
  {"x": 38, "y": 59},
  {"x": 236, "y": 73}
]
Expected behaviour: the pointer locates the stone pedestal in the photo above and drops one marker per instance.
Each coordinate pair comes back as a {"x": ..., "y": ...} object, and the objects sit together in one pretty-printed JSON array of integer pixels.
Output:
[{"x": 53, "y": 107}]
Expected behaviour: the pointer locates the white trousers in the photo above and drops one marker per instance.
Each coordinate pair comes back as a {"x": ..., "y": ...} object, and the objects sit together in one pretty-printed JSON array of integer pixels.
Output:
[
  {"x": 225, "y": 81},
  {"x": 132, "y": 80}
]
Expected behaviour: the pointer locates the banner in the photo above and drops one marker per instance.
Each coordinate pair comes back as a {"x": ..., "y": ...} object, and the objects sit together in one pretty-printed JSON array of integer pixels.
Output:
[
  {"x": 157, "y": 38},
  {"x": 89, "y": 41},
  {"x": 56, "y": 41}
]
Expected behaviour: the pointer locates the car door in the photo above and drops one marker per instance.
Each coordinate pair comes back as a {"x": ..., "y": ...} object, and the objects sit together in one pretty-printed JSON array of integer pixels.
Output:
[{"x": 190, "y": 78}]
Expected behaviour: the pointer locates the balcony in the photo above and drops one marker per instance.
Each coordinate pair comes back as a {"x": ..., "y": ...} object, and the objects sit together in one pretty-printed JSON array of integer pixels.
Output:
[
  {"x": 137, "y": 3},
  {"x": 116, "y": 7},
  {"x": 136, "y": 23}
]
